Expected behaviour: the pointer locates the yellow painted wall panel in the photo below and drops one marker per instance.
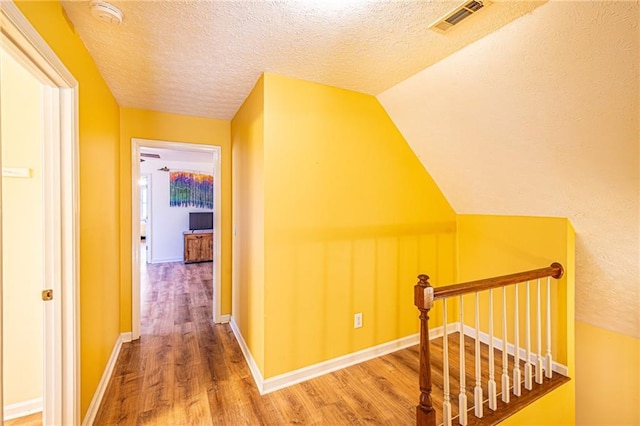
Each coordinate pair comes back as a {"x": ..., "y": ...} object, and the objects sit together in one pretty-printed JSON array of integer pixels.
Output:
[
  {"x": 490, "y": 246},
  {"x": 338, "y": 311},
  {"x": 496, "y": 245},
  {"x": 339, "y": 175},
  {"x": 247, "y": 139},
  {"x": 142, "y": 124},
  {"x": 99, "y": 129},
  {"x": 385, "y": 306},
  {"x": 363, "y": 279},
  {"x": 553, "y": 409},
  {"x": 607, "y": 377}
]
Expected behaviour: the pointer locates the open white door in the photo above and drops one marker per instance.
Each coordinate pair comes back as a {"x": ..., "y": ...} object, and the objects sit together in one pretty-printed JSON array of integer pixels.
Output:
[{"x": 60, "y": 214}]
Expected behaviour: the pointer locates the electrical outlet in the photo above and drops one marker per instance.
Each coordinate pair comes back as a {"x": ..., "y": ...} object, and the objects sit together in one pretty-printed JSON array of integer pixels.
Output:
[{"x": 357, "y": 320}]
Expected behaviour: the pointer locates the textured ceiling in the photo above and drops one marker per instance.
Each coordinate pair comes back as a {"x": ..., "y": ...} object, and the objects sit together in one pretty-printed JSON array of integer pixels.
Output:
[
  {"x": 541, "y": 118},
  {"x": 203, "y": 57}
]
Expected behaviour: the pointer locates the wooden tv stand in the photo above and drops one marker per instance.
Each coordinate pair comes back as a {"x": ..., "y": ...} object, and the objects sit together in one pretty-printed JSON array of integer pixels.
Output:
[{"x": 198, "y": 246}]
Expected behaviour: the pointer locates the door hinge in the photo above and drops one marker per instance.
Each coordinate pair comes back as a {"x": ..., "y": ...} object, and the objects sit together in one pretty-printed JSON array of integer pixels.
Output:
[{"x": 47, "y": 295}]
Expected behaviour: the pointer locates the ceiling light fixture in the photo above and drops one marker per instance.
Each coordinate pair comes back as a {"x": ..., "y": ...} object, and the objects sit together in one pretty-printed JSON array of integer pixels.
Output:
[{"x": 106, "y": 12}]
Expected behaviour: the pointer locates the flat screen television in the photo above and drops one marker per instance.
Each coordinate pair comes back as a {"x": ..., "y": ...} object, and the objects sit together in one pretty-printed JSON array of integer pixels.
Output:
[{"x": 200, "y": 220}]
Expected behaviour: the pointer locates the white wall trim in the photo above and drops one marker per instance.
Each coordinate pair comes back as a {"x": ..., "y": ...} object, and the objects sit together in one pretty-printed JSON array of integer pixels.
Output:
[
  {"x": 40, "y": 58},
  {"x": 253, "y": 366},
  {"x": 436, "y": 332},
  {"x": 224, "y": 319},
  {"x": 156, "y": 261},
  {"x": 316, "y": 370},
  {"x": 126, "y": 337},
  {"x": 21, "y": 409},
  {"x": 498, "y": 344},
  {"x": 94, "y": 406}
]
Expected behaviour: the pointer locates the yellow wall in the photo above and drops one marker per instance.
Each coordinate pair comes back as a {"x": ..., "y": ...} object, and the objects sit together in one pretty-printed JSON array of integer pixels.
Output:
[
  {"x": 554, "y": 409},
  {"x": 350, "y": 219},
  {"x": 22, "y": 229},
  {"x": 497, "y": 245},
  {"x": 607, "y": 377},
  {"x": 135, "y": 123},
  {"x": 247, "y": 135},
  {"x": 99, "y": 194}
]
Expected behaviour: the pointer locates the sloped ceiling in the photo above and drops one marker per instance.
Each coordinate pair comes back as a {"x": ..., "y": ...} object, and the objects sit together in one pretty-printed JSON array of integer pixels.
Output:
[
  {"x": 202, "y": 58},
  {"x": 541, "y": 118}
]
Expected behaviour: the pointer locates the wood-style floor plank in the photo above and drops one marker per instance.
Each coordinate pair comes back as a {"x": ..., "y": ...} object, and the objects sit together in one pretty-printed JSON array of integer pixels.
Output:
[
  {"x": 30, "y": 420},
  {"x": 185, "y": 370}
]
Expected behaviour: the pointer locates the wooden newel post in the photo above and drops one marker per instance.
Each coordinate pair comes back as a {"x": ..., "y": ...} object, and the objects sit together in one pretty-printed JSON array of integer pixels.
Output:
[{"x": 423, "y": 299}]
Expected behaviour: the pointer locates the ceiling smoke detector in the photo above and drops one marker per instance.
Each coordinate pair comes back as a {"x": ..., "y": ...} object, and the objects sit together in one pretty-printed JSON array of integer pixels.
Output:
[
  {"x": 106, "y": 12},
  {"x": 457, "y": 15}
]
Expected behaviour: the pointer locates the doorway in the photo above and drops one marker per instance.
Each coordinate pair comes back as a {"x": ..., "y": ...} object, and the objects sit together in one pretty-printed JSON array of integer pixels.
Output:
[
  {"x": 214, "y": 153},
  {"x": 21, "y": 105},
  {"x": 54, "y": 218}
]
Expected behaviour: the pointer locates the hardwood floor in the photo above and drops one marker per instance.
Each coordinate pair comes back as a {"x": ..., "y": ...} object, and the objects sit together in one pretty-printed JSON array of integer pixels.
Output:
[
  {"x": 185, "y": 370},
  {"x": 30, "y": 420}
]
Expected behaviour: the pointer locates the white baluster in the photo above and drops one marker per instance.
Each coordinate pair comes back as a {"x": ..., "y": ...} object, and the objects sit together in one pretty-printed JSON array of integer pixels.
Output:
[
  {"x": 477, "y": 391},
  {"x": 505, "y": 355},
  {"x": 538, "y": 335},
  {"x": 517, "y": 374},
  {"x": 446, "y": 405},
  {"x": 528, "y": 368},
  {"x": 491, "y": 385},
  {"x": 462, "y": 398},
  {"x": 549, "y": 371}
]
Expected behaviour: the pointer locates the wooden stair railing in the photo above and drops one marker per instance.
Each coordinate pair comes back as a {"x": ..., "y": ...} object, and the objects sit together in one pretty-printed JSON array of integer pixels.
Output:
[{"x": 424, "y": 297}]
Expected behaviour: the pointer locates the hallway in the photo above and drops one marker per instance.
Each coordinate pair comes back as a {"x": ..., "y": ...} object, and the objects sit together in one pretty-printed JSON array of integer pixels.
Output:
[{"x": 185, "y": 370}]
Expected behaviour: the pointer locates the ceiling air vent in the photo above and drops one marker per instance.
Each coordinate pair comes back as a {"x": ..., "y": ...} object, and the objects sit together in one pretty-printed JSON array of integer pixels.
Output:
[
  {"x": 149, "y": 155},
  {"x": 458, "y": 14}
]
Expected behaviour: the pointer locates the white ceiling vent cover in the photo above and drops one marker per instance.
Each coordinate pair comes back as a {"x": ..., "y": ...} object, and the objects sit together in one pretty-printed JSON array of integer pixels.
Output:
[
  {"x": 149, "y": 155},
  {"x": 458, "y": 14}
]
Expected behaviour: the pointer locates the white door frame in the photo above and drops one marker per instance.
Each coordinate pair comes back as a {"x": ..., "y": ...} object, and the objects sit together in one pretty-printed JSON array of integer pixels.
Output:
[
  {"x": 61, "y": 239},
  {"x": 147, "y": 240},
  {"x": 136, "y": 144}
]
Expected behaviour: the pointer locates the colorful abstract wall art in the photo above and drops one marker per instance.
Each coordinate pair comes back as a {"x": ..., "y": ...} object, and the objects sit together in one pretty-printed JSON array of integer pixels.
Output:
[{"x": 188, "y": 189}]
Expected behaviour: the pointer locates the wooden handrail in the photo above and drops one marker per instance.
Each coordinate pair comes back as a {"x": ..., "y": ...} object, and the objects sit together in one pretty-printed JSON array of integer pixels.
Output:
[
  {"x": 555, "y": 271},
  {"x": 424, "y": 295}
]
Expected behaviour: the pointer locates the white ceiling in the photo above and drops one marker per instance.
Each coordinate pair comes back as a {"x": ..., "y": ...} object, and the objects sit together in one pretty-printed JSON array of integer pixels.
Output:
[
  {"x": 202, "y": 58},
  {"x": 541, "y": 118}
]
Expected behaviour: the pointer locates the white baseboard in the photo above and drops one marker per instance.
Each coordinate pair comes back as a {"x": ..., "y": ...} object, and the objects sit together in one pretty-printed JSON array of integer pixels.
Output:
[
  {"x": 169, "y": 260},
  {"x": 224, "y": 319},
  {"x": 126, "y": 337},
  {"x": 21, "y": 409},
  {"x": 497, "y": 343},
  {"x": 92, "y": 411},
  {"x": 253, "y": 367},
  {"x": 436, "y": 332},
  {"x": 307, "y": 373}
]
